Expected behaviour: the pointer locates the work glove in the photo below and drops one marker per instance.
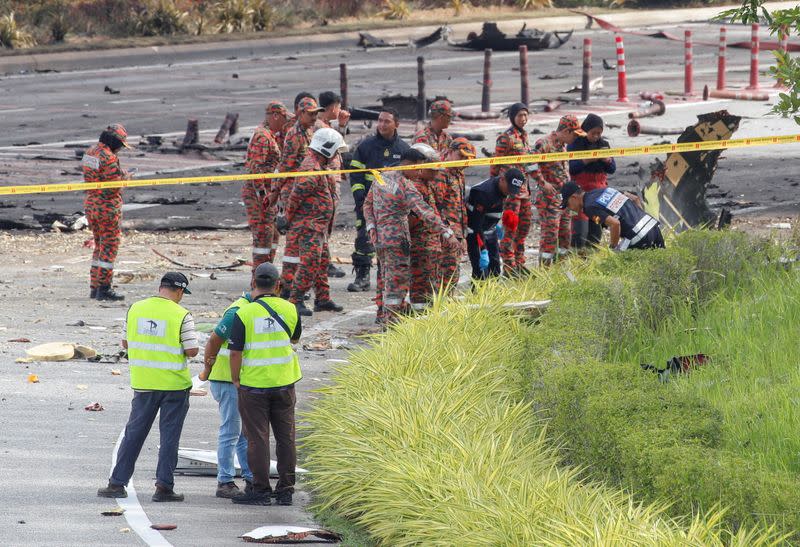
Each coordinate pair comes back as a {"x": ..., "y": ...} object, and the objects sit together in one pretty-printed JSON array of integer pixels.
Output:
[
  {"x": 282, "y": 224},
  {"x": 483, "y": 262},
  {"x": 452, "y": 243},
  {"x": 510, "y": 221}
]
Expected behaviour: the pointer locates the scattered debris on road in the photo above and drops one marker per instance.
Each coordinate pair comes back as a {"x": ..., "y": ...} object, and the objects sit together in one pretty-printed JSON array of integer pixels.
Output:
[
  {"x": 493, "y": 38},
  {"x": 282, "y": 534},
  {"x": 238, "y": 262},
  {"x": 94, "y": 407}
]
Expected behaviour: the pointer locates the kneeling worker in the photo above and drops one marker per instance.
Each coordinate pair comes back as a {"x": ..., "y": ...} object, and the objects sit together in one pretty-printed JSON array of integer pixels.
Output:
[
  {"x": 630, "y": 227},
  {"x": 485, "y": 203},
  {"x": 264, "y": 368}
]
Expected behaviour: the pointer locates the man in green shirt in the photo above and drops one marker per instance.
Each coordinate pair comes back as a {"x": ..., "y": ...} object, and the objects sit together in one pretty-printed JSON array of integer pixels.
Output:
[{"x": 230, "y": 439}]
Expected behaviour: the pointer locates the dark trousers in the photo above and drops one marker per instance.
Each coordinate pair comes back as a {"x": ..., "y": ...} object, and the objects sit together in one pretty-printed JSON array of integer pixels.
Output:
[
  {"x": 474, "y": 253},
  {"x": 585, "y": 232},
  {"x": 172, "y": 407},
  {"x": 259, "y": 411},
  {"x": 653, "y": 240},
  {"x": 364, "y": 250}
]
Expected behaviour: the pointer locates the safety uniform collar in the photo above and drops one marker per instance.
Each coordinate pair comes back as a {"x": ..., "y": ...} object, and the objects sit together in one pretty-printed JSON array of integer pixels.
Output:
[{"x": 384, "y": 139}]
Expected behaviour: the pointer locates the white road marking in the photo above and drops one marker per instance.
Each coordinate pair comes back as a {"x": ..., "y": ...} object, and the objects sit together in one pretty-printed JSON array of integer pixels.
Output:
[
  {"x": 134, "y": 514},
  {"x": 131, "y": 101},
  {"x": 13, "y": 110}
]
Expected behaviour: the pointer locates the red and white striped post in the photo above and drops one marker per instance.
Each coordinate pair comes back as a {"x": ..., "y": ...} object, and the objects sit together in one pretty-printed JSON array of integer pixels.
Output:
[
  {"x": 723, "y": 46},
  {"x": 587, "y": 69},
  {"x": 622, "y": 82},
  {"x": 754, "y": 57},
  {"x": 783, "y": 45},
  {"x": 688, "y": 74}
]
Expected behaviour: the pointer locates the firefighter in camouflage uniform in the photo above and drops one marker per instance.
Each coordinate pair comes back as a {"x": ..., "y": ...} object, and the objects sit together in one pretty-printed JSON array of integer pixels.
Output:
[
  {"x": 426, "y": 241},
  {"x": 555, "y": 225},
  {"x": 294, "y": 151},
  {"x": 383, "y": 149},
  {"x": 517, "y": 211},
  {"x": 263, "y": 155},
  {"x": 386, "y": 210},
  {"x": 434, "y": 133},
  {"x": 104, "y": 209},
  {"x": 449, "y": 189},
  {"x": 309, "y": 212}
]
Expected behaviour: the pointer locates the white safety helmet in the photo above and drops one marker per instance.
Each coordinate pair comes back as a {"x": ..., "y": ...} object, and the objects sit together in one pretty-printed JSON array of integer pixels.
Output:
[
  {"x": 427, "y": 150},
  {"x": 327, "y": 142}
]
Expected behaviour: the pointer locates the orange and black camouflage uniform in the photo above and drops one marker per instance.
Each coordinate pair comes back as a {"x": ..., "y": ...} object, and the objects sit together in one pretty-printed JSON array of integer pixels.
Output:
[
  {"x": 295, "y": 146},
  {"x": 386, "y": 210},
  {"x": 439, "y": 142},
  {"x": 263, "y": 155},
  {"x": 103, "y": 212},
  {"x": 514, "y": 142},
  {"x": 554, "y": 222},
  {"x": 426, "y": 248},
  {"x": 309, "y": 211},
  {"x": 449, "y": 187}
]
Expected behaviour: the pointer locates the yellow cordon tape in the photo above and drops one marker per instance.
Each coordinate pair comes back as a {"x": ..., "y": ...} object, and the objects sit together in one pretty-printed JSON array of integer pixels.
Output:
[{"x": 503, "y": 160}]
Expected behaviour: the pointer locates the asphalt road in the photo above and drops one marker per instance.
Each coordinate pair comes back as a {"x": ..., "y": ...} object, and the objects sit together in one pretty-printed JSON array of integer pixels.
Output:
[{"x": 160, "y": 90}]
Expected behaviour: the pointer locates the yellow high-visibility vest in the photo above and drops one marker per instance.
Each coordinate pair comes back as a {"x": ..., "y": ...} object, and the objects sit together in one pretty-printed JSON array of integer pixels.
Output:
[
  {"x": 268, "y": 359},
  {"x": 155, "y": 352},
  {"x": 221, "y": 372}
]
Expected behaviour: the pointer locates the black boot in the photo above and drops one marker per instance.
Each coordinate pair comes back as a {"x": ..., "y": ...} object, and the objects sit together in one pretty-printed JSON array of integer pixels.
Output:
[
  {"x": 333, "y": 271},
  {"x": 105, "y": 292},
  {"x": 327, "y": 305},
  {"x": 301, "y": 309},
  {"x": 361, "y": 283}
]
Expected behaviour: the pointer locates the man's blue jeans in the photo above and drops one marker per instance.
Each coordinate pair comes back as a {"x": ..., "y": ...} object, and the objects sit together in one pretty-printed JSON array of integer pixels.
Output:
[
  {"x": 230, "y": 433},
  {"x": 172, "y": 407}
]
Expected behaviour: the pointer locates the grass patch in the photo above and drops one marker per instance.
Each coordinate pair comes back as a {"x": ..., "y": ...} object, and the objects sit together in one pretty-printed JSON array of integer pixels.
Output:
[
  {"x": 352, "y": 535},
  {"x": 434, "y": 436},
  {"x": 723, "y": 435}
]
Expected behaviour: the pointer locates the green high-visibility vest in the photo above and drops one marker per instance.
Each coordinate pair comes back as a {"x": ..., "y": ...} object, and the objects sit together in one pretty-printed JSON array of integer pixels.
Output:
[
  {"x": 268, "y": 359},
  {"x": 155, "y": 353},
  {"x": 221, "y": 372}
]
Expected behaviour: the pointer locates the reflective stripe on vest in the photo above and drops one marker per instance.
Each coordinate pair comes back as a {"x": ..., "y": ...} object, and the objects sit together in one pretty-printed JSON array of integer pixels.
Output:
[
  {"x": 268, "y": 359},
  {"x": 221, "y": 371},
  {"x": 155, "y": 353},
  {"x": 642, "y": 232}
]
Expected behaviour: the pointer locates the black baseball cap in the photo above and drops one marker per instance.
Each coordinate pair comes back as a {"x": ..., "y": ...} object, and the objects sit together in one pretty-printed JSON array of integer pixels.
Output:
[
  {"x": 266, "y": 272},
  {"x": 176, "y": 280},
  {"x": 515, "y": 179},
  {"x": 567, "y": 191}
]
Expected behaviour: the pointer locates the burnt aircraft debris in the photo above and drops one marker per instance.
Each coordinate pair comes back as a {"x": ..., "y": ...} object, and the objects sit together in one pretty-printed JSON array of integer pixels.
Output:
[
  {"x": 493, "y": 38},
  {"x": 676, "y": 192},
  {"x": 367, "y": 40}
]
